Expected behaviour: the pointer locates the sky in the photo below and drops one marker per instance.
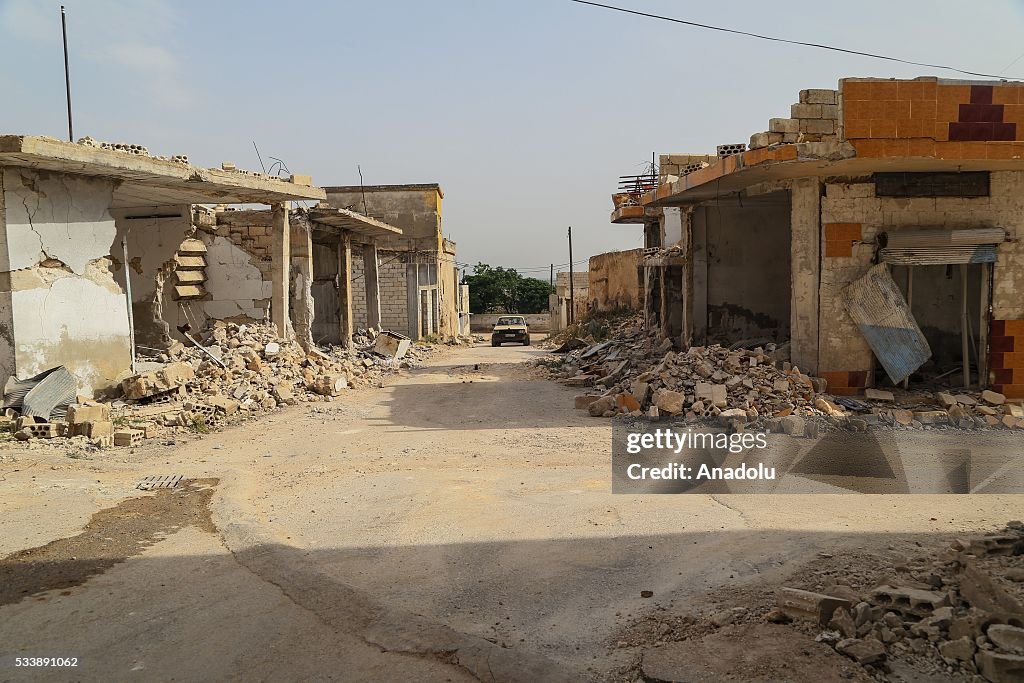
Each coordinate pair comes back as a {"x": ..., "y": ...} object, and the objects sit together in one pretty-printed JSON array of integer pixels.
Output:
[{"x": 525, "y": 111}]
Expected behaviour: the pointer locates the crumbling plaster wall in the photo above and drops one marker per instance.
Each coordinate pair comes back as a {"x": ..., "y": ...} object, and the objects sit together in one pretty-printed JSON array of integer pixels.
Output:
[
  {"x": 852, "y": 217},
  {"x": 153, "y": 236},
  {"x": 417, "y": 211},
  {"x": 61, "y": 304},
  {"x": 615, "y": 281},
  {"x": 238, "y": 284}
]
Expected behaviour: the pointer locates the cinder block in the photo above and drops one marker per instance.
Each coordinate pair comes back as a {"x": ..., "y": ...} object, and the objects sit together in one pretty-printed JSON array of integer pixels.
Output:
[
  {"x": 818, "y": 126},
  {"x": 818, "y": 96},
  {"x": 805, "y": 111},
  {"x": 830, "y": 111},
  {"x": 128, "y": 437},
  {"x": 783, "y": 126},
  {"x": 94, "y": 429}
]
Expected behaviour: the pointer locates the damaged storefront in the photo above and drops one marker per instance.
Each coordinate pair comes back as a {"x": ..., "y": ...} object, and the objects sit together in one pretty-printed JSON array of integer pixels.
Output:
[{"x": 876, "y": 229}]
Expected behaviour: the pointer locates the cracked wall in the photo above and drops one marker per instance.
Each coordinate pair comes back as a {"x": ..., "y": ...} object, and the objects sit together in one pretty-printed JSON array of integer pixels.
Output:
[
  {"x": 238, "y": 287},
  {"x": 60, "y": 302}
]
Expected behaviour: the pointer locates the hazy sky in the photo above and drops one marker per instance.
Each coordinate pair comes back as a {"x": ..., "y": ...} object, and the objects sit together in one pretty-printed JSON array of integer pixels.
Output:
[{"x": 525, "y": 111}]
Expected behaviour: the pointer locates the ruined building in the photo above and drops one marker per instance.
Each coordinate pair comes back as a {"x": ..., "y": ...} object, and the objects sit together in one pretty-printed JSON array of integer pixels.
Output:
[
  {"x": 418, "y": 272},
  {"x": 76, "y": 218},
  {"x": 878, "y": 228}
]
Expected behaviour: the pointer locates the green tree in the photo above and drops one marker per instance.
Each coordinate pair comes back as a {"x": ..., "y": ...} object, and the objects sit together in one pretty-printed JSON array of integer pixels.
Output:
[{"x": 503, "y": 290}]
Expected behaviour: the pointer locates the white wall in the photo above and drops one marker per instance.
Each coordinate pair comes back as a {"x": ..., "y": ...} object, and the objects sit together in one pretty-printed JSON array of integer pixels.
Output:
[{"x": 61, "y": 304}]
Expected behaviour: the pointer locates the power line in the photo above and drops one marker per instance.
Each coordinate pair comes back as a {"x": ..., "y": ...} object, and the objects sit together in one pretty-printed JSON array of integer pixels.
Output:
[{"x": 785, "y": 40}]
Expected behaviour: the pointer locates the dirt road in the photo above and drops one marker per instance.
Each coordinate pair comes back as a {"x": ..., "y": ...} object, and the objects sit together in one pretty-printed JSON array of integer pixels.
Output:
[{"x": 454, "y": 525}]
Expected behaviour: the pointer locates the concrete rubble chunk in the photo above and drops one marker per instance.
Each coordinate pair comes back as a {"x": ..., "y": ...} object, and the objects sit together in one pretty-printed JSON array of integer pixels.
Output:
[
  {"x": 158, "y": 381},
  {"x": 999, "y": 667},
  {"x": 993, "y": 398},
  {"x": 331, "y": 385},
  {"x": 669, "y": 401},
  {"x": 1008, "y": 638},
  {"x": 866, "y": 651},
  {"x": 878, "y": 395},
  {"x": 818, "y": 607}
]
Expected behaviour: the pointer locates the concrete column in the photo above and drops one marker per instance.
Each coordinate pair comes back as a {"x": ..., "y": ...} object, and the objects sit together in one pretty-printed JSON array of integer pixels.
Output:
[
  {"x": 805, "y": 257},
  {"x": 345, "y": 288},
  {"x": 372, "y": 282},
  {"x": 302, "y": 283},
  {"x": 699, "y": 278},
  {"x": 280, "y": 259}
]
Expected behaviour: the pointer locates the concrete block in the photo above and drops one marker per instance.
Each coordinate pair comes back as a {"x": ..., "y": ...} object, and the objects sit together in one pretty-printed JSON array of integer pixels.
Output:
[
  {"x": 94, "y": 429},
  {"x": 300, "y": 179},
  {"x": 818, "y": 607},
  {"x": 817, "y": 126},
  {"x": 818, "y": 96},
  {"x": 783, "y": 126},
  {"x": 759, "y": 140},
  {"x": 878, "y": 395},
  {"x": 999, "y": 667},
  {"x": 128, "y": 437},
  {"x": 331, "y": 385},
  {"x": 805, "y": 111},
  {"x": 829, "y": 111}
]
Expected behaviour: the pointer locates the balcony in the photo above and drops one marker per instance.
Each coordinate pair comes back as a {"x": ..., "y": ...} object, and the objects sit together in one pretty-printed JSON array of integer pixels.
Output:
[{"x": 627, "y": 200}]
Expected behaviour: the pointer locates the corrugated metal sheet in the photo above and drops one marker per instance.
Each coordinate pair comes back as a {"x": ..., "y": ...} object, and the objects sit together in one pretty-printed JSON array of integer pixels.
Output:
[
  {"x": 937, "y": 256},
  {"x": 915, "y": 239},
  {"x": 50, "y": 398},
  {"x": 877, "y": 306}
]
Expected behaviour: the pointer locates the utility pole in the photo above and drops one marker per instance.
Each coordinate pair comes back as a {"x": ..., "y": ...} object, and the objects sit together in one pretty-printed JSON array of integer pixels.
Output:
[
  {"x": 572, "y": 283},
  {"x": 67, "y": 72},
  {"x": 551, "y": 287}
]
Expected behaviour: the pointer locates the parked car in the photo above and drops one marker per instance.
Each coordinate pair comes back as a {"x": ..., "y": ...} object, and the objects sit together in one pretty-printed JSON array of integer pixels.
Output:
[{"x": 510, "y": 328}]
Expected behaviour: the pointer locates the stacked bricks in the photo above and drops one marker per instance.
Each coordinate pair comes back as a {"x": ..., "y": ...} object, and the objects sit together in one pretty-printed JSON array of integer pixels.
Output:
[
  {"x": 845, "y": 382},
  {"x": 681, "y": 164},
  {"x": 813, "y": 119},
  {"x": 1007, "y": 357},
  {"x": 840, "y": 238},
  {"x": 931, "y": 118}
]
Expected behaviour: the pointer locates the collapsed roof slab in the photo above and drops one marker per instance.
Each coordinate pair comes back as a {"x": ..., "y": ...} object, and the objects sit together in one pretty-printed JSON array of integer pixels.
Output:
[
  {"x": 356, "y": 223},
  {"x": 145, "y": 181}
]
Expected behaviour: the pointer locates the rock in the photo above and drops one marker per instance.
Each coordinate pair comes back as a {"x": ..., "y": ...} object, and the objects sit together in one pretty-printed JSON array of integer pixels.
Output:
[
  {"x": 945, "y": 400},
  {"x": 866, "y": 651},
  {"x": 960, "y": 650},
  {"x": 998, "y": 667},
  {"x": 332, "y": 384},
  {"x": 728, "y": 616},
  {"x": 669, "y": 401},
  {"x": 993, "y": 398},
  {"x": 271, "y": 350},
  {"x": 158, "y": 381},
  {"x": 1008, "y": 638},
  {"x": 584, "y": 401},
  {"x": 627, "y": 403},
  {"x": 903, "y": 417},
  {"x": 777, "y": 616},
  {"x": 861, "y": 613},
  {"x": 599, "y": 407},
  {"x": 878, "y": 395},
  {"x": 793, "y": 425},
  {"x": 842, "y": 621}
]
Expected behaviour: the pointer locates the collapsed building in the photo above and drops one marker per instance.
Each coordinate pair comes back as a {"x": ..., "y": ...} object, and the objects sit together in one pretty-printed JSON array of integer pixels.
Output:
[
  {"x": 877, "y": 228},
  {"x": 418, "y": 272},
  {"x": 568, "y": 304},
  {"x": 100, "y": 253}
]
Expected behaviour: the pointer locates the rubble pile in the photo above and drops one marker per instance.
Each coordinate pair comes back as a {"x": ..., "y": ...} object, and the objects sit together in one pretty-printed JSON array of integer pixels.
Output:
[
  {"x": 236, "y": 371},
  {"x": 963, "y": 607},
  {"x": 635, "y": 373}
]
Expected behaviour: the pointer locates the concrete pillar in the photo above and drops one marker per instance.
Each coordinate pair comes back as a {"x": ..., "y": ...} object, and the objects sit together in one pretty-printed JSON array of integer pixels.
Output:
[
  {"x": 302, "y": 282},
  {"x": 280, "y": 259},
  {"x": 805, "y": 257},
  {"x": 699, "y": 278},
  {"x": 345, "y": 288},
  {"x": 372, "y": 282}
]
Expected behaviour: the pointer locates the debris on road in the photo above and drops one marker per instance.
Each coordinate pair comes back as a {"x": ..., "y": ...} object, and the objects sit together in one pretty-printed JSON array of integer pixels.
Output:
[{"x": 633, "y": 372}]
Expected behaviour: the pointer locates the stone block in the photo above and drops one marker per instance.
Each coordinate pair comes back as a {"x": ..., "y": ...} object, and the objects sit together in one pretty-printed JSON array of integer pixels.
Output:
[
  {"x": 584, "y": 401},
  {"x": 759, "y": 140},
  {"x": 228, "y": 406},
  {"x": 669, "y": 401},
  {"x": 829, "y": 111},
  {"x": 331, "y": 385},
  {"x": 793, "y": 425},
  {"x": 878, "y": 395}
]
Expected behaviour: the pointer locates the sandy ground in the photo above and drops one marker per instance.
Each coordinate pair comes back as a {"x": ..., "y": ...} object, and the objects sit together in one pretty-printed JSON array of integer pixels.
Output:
[{"x": 456, "y": 524}]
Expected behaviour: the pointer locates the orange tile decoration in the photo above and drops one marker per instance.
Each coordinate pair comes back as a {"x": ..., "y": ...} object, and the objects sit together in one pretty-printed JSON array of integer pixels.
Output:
[{"x": 927, "y": 117}]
